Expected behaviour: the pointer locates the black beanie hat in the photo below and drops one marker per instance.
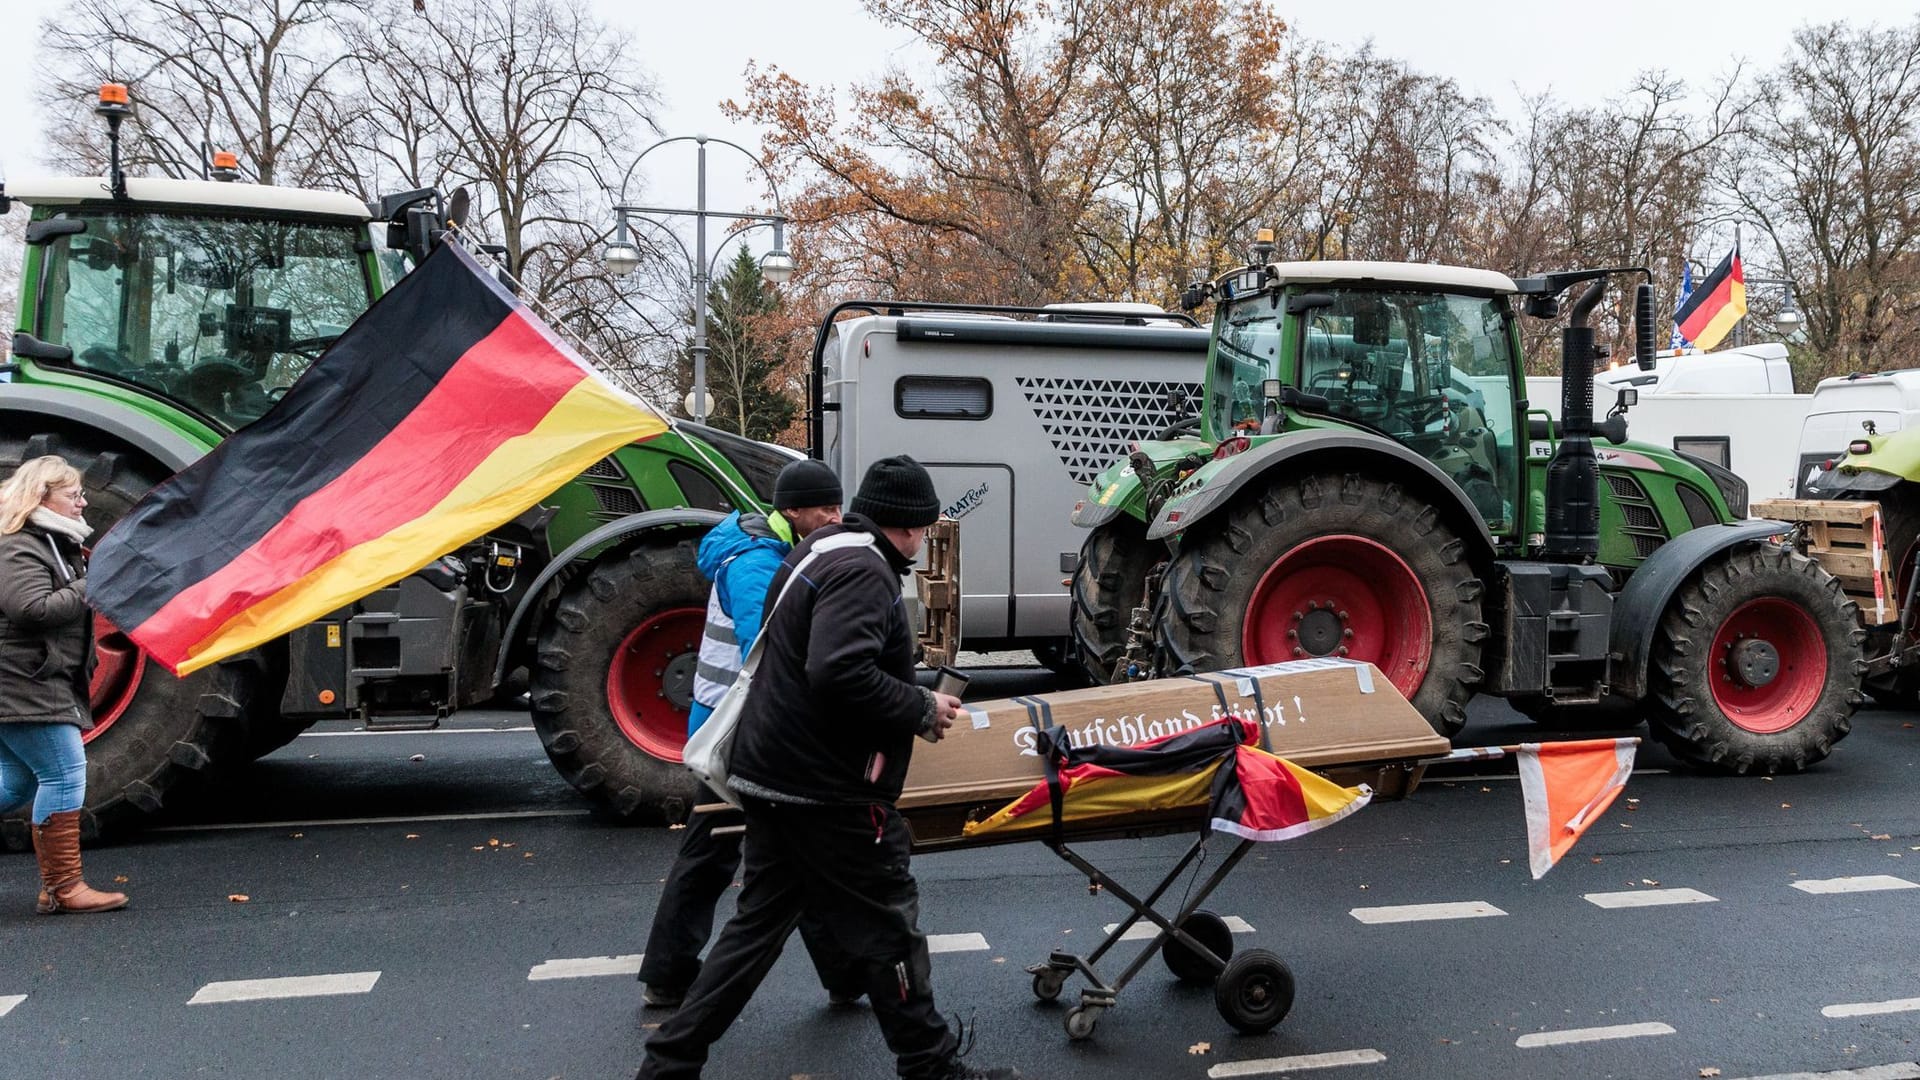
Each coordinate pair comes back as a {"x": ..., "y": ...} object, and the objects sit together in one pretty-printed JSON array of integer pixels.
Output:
[
  {"x": 897, "y": 492},
  {"x": 806, "y": 483}
]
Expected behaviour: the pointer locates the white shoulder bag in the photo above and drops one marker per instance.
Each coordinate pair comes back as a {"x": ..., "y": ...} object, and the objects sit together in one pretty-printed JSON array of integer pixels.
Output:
[{"x": 709, "y": 752}]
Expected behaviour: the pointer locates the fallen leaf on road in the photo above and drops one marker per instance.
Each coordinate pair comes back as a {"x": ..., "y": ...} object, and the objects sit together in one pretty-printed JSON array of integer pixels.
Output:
[
  {"x": 1709, "y": 1071},
  {"x": 413, "y": 836},
  {"x": 526, "y": 854},
  {"x": 1649, "y": 881},
  {"x": 1882, "y": 836},
  {"x": 239, "y": 898},
  {"x": 675, "y": 828},
  {"x": 999, "y": 959},
  {"x": 493, "y": 843},
  {"x": 297, "y": 835},
  {"x": 1786, "y": 806},
  {"x": 507, "y": 845},
  {"x": 479, "y": 847},
  {"x": 1199, "y": 1048},
  {"x": 418, "y": 757}
]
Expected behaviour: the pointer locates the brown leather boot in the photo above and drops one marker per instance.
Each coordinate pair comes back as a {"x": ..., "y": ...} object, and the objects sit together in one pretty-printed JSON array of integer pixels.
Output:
[{"x": 57, "y": 843}]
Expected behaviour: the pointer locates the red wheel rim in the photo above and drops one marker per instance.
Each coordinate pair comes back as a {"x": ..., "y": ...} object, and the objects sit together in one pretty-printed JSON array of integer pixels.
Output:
[
  {"x": 1768, "y": 632},
  {"x": 118, "y": 665},
  {"x": 1345, "y": 596},
  {"x": 650, "y": 681}
]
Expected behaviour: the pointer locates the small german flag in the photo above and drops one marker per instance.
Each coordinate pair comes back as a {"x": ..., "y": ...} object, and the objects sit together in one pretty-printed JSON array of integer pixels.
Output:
[
  {"x": 1715, "y": 305},
  {"x": 446, "y": 410}
]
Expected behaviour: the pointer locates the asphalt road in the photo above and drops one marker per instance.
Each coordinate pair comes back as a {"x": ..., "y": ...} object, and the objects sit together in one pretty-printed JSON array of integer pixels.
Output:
[{"x": 462, "y": 915}]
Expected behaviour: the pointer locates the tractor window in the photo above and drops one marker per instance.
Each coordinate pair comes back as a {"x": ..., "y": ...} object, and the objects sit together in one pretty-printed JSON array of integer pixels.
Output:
[
  {"x": 219, "y": 313},
  {"x": 1430, "y": 370}
]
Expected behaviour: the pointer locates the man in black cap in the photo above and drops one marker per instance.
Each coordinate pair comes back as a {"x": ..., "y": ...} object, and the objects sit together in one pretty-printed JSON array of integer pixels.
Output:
[
  {"x": 740, "y": 556},
  {"x": 818, "y": 761}
]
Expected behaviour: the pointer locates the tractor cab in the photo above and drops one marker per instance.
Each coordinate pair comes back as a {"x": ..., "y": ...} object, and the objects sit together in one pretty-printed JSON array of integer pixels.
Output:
[
  {"x": 1423, "y": 355},
  {"x": 212, "y": 296}
]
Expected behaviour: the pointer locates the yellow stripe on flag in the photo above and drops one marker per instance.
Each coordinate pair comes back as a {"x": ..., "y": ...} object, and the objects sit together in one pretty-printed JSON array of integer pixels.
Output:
[
  {"x": 1723, "y": 320},
  {"x": 518, "y": 473},
  {"x": 1104, "y": 795}
]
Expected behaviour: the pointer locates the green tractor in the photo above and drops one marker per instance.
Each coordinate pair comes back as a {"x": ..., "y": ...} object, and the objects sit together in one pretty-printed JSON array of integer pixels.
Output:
[
  {"x": 1363, "y": 478},
  {"x": 157, "y": 316}
]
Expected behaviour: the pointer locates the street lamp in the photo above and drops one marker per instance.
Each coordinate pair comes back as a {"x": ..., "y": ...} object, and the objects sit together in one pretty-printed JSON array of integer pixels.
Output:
[
  {"x": 621, "y": 256},
  {"x": 1787, "y": 319}
]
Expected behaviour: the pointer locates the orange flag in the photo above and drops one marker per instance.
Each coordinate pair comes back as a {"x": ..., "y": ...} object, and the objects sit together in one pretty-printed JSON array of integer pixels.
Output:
[{"x": 1568, "y": 785}]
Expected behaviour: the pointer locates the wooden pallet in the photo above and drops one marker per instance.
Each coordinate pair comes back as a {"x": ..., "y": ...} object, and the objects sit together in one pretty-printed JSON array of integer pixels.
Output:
[
  {"x": 939, "y": 586},
  {"x": 1847, "y": 538}
]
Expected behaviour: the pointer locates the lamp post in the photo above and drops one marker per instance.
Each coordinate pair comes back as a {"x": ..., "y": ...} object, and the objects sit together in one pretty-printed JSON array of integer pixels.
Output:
[
  {"x": 1787, "y": 319},
  {"x": 622, "y": 256}
]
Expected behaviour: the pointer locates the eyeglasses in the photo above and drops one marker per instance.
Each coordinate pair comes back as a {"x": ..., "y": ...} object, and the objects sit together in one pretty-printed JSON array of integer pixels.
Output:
[{"x": 78, "y": 495}]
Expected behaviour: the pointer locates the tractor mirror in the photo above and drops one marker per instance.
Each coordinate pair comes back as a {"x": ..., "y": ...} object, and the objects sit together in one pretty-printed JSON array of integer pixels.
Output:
[
  {"x": 1643, "y": 332},
  {"x": 257, "y": 329},
  {"x": 208, "y": 275},
  {"x": 1300, "y": 303}
]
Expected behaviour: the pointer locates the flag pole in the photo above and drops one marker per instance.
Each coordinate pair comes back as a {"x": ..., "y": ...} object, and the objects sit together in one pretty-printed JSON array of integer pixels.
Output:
[{"x": 1495, "y": 753}]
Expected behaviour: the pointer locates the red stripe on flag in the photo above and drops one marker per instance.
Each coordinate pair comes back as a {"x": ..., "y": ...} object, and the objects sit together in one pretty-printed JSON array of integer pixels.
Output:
[{"x": 512, "y": 378}]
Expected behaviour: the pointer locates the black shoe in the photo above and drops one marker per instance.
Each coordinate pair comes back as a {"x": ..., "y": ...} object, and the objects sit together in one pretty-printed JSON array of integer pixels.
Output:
[
  {"x": 845, "y": 999},
  {"x": 663, "y": 997}
]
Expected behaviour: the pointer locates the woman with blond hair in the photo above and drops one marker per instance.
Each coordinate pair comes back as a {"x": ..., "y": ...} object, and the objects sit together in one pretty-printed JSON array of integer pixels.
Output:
[{"x": 46, "y": 657}]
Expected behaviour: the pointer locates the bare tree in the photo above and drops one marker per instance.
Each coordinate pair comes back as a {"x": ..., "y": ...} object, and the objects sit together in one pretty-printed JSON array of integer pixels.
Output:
[
  {"x": 260, "y": 78},
  {"x": 1829, "y": 169}
]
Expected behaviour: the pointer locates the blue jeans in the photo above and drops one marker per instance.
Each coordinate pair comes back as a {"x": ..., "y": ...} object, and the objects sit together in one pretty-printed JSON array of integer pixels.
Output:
[{"x": 45, "y": 763}]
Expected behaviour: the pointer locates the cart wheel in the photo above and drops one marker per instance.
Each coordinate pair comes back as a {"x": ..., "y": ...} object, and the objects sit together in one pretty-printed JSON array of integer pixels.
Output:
[
  {"x": 1189, "y": 966},
  {"x": 1255, "y": 992},
  {"x": 1080, "y": 1023},
  {"x": 1048, "y": 982}
]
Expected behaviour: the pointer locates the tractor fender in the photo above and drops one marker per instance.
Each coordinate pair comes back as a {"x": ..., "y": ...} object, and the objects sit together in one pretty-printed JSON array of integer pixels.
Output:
[
  {"x": 1221, "y": 481},
  {"x": 1637, "y": 608},
  {"x": 169, "y": 448},
  {"x": 613, "y": 531}
]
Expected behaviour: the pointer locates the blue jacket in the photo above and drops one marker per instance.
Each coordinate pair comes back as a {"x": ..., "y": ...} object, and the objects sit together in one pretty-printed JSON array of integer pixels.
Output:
[{"x": 740, "y": 556}]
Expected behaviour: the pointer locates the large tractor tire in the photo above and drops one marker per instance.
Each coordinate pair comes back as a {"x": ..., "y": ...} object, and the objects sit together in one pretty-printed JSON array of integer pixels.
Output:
[
  {"x": 1108, "y": 584},
  {"x": 1329, "y": 564},
  {"x": 154, "y": 735},
  {"x": 1757, "y": 664},
  {"x": 613, "y": 679}
]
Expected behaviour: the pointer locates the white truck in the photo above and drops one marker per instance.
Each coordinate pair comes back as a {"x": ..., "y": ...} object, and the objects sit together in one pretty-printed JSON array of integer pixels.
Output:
[
  {"x": 1840, "y": 409},
  {"x": 1734, "y": 408}
]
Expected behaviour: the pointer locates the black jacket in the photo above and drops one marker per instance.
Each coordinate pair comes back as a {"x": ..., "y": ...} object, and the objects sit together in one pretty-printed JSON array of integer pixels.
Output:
[
  {"x": 46, "y": 630},
  {"x": 834, "y": 709}
]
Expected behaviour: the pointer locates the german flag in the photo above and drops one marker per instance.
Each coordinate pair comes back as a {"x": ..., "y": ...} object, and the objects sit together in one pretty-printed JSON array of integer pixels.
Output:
[
  {"x": 1715, "y": 305},
  {"x": 1246, "y": 791},
  {"x": 445, "y": 411}
]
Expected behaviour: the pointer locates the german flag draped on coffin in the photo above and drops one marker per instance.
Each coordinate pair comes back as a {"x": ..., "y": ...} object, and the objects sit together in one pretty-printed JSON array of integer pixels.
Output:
[
  {"x": 1250, "y": 793},
  {"x": 446, "y": 410}
]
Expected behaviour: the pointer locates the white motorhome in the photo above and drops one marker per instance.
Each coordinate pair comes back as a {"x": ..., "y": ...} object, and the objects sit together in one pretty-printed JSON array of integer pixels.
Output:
[
  {"x": 1735, "y": 408},
  {"x": 1843, "y": 405},
  {"x": 1013, "y": 411}
]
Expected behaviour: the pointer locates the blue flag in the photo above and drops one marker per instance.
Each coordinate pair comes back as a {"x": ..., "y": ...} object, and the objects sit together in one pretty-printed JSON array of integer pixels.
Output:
[{"x": 1686, "y": 291}]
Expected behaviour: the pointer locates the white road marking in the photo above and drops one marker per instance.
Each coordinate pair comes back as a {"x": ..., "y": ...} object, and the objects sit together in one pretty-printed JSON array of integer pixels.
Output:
[
  {"x": 1596, "y": 1034},
  {"x": 1466, "y": 909},
  {"x": 586, "y": 966},
  {"x": 1263, "y": 1066},
  {"x": 7, "y": 1003},
  {"x": 1868, "y": 883},
  {"x": 957, "y": 943},
  {"x": 1649, "y": 898},
  {"x": 296, "y": 986},
  {"x": 1872, "y": 1008},
  {"x": 236, "y": 826},
  {"x": 1141, "y": 931},
  {"x": 1903, "y": 1070},
  {"x": 431, "y": 731}
]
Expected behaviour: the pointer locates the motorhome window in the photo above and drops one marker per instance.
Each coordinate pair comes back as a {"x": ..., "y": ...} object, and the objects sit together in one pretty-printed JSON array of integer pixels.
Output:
[
  {"x": 940, "y": 397},
  {"x": 1715, "y": 448}
]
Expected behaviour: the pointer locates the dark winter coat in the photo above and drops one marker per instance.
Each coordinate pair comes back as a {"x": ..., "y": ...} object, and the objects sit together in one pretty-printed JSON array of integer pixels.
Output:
[
  {"x": 834, "y": 708},
  {"x": 46, "y": 630}
]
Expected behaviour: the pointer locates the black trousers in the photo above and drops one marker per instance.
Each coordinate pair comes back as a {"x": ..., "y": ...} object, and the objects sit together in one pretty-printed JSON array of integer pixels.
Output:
[
  {"x": 846, "y": 866},
  {"x": 683, "y": 921}
]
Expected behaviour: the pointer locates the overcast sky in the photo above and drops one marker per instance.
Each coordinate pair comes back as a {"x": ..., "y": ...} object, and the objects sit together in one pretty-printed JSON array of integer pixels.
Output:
[{"x": 697, "y": 52}]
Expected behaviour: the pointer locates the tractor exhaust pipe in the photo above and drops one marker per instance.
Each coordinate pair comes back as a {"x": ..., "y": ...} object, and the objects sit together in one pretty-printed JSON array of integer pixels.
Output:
[{"x": 1573, "y": 477}]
